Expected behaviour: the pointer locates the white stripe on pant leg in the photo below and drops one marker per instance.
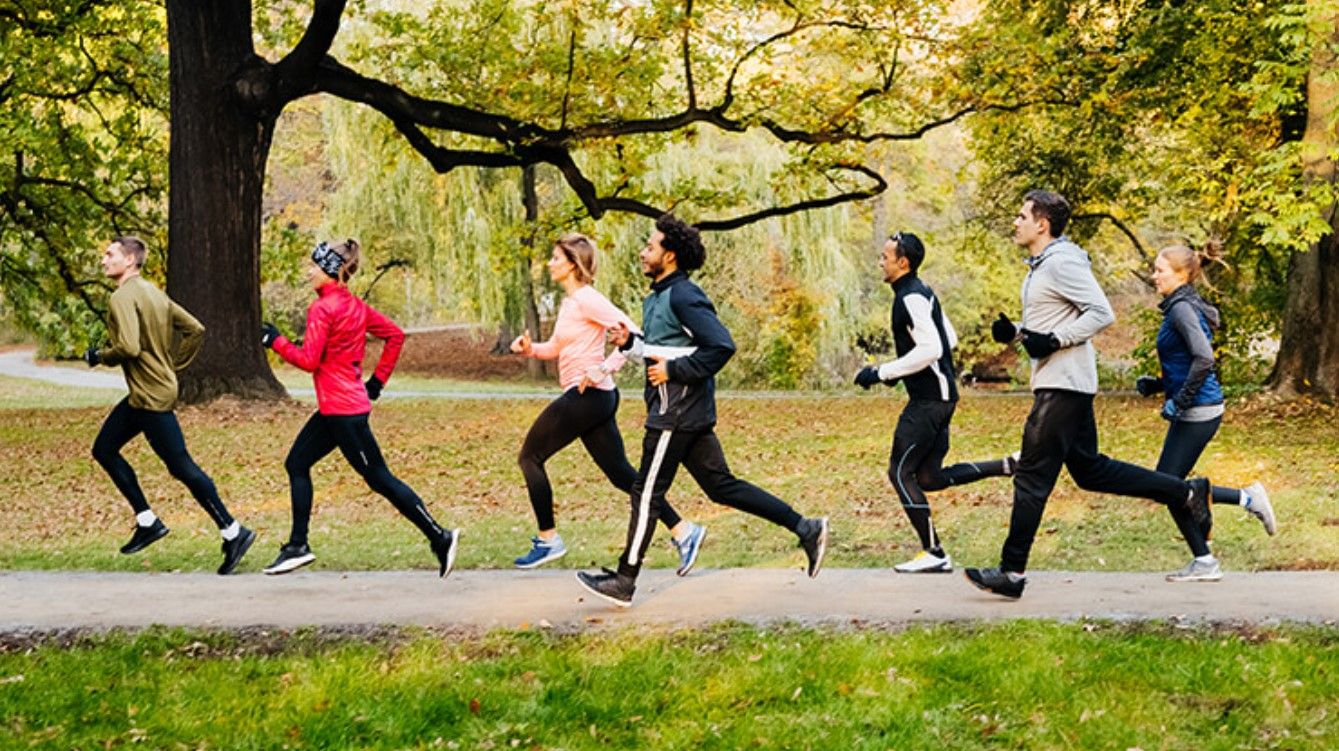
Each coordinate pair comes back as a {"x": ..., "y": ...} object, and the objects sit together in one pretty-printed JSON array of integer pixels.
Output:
[
  {"x": 644, "y": 504},
  {"x": 901, "y": 486}
]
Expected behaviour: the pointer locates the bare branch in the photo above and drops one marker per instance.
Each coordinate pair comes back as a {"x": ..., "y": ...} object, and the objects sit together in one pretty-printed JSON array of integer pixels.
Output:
[
  {"x": 1129, "y": 234},
  {"x": 295, "y": 71},
  {"x": 571, "y": 66},
  {"x": 687, "y": 59},
  {"x": 444, "y": 160}
]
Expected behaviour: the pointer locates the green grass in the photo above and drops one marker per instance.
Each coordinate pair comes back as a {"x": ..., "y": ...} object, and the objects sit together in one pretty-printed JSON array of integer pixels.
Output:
[
  {"x": 1021, "y": 685},
  {"x": 24, "y": 394},
  {"x": 825, "y": 455}
]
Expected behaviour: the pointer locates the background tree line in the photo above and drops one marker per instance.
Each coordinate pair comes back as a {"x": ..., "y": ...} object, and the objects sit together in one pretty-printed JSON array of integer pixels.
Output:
[{"x": 780, "y": 124}]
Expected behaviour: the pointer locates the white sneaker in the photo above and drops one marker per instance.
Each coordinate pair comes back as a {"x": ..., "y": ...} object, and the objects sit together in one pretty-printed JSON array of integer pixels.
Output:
[
  {"x": 1258, "y": 505},
  {"x": 926, "y": 563},
  {"x": 1196, "y": 571}
]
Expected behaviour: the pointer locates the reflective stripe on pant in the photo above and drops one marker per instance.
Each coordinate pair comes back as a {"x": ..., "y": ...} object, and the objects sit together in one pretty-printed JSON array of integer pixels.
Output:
[{"x": 700, "y": 453}]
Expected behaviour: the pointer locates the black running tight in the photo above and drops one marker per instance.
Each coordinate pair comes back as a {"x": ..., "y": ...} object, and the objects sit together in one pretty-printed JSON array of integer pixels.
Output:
[
  {"x": 590, "y": 417},
  {"x": 163, "y": 432},
  {"x": 353, "y": 437}
]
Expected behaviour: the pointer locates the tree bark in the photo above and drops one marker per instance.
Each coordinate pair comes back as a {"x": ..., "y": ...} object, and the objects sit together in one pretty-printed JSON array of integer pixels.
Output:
[
  {"x": 1308, "y": 360},
  {"x": 217, "y": 174}
]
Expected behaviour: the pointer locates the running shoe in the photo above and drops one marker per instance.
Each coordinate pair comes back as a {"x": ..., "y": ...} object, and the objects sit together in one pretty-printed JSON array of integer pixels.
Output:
[
  {"x": 609, "y": 586},
  {"x": 145, "y": 536},
  {"x": 291, "y": 557},
  {"x": 234, "y": 549},
  {"x": 541, "y": 552},
  {"x": 813, "y": 535},
  {"x": 1258, "y": 505},
  {"x": 995, "y": 581},
  {"x": 926, "y": 563},
  {"x": 689, "y": 548},
  {"x": 445, "y": 549},
  {"x": 1198, "y": 571}
]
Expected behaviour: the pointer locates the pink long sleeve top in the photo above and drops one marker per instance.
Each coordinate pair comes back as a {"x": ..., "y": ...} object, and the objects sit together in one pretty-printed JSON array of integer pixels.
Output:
[{"x": 579, "y": 337}]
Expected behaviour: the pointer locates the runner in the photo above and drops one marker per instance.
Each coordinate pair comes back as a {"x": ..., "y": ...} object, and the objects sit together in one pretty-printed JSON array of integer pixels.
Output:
[
  {"x": 923, "y": 338},
  {"x": 685, "y": 345},
  {"x": 332, "y": 351},
  {"x": 1063, "y": 309},
  {"x": 142, "y": 324},
  {"x": 587, "y": 406},
  {"x": 1194, "y": 399}
]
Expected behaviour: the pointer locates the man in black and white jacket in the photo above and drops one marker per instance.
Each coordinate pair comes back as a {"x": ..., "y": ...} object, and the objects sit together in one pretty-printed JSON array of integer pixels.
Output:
[{"x": 923, "y": 338}]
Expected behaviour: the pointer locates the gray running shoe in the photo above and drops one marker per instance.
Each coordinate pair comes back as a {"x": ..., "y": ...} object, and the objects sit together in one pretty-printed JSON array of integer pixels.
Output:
[
  {"x": 1258, "y": 505},
  {"x": 1197, "y": 571}
]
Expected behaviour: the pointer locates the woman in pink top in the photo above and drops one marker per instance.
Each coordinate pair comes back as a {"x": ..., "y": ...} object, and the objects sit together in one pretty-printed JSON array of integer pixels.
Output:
[{"x": 588, "y": 403}]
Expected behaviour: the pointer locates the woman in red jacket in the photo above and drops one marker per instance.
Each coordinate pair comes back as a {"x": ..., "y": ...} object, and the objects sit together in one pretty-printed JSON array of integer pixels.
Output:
[{"x": 332, "y": 351}]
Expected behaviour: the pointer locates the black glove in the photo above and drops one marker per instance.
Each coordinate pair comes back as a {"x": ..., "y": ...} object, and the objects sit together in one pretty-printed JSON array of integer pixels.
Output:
[
  {"x": 1148, "y": 385},
  {"x": 1039, "y": 345},
  {"x": 92, "y": 357},
  {"x": 868, "y": 376},
  {"x": 268, "y": 333},
  {"x": 373, "y": 386},
  {"x": 1003, "y": 330}
]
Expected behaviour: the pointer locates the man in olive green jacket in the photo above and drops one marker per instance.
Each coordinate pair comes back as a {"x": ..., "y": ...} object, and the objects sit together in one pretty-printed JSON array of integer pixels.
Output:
[{"x": 151, "y": 339}]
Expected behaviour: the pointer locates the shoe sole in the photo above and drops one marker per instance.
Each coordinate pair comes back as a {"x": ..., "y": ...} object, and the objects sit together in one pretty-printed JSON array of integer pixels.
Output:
[
  {"x": 822, "y": 549},
  {"x": 451, "y": 554},
  {"x": 1192, "y": 579},
  {"x": 292, "y": 564},
  {"x": 601, "y": 595},
  {"x": 940, "y": 569},
  {"x": 127, "y": 550},
  {"x": 692, "y": 559},
  {"x": 540, "y": 562},
  {"x": 225, "y": 569},
  {"x": 984, "y": 588}
]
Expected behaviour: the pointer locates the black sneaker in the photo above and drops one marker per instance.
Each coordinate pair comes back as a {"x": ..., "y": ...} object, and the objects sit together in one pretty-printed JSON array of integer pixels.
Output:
[
  {"x": 290, "y": 557},
  {"x": 813, "y": 535},
  {"x": 609, "y": 586},
  {"x": 1197, "y": 503},
  {"x": 445, "y": 549},
  {"x": 145, "y": 536},
  {"x": 996, "y": 581},
  {"x": 234, "y": 549}
]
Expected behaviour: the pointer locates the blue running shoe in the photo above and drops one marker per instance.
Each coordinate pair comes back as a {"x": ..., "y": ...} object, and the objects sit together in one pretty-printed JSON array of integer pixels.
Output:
[
  {"x": 542, "y": 552},
  {"x": 689, "y": 547}
]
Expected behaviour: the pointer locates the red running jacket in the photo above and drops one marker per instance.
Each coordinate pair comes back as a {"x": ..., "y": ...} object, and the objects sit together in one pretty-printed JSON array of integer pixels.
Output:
[{"x": 332, "y": 349}]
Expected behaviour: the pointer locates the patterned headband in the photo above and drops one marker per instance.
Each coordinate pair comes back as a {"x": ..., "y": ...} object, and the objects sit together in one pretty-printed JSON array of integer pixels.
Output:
[{"x": 330, "y": 261}]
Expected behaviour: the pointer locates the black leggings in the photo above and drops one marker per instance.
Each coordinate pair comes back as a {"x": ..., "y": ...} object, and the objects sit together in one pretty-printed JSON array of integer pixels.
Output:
[
  {"x": 590, "y": 417},
  {"x": 1181, "y": 448},
  {"x": 700, "y": 452},
  {"x": 1061, "y": 430},
  {"x": 915, "y": 464},
  {"x": 164, "y": 435},
  {"x": 353, "y": 437}
]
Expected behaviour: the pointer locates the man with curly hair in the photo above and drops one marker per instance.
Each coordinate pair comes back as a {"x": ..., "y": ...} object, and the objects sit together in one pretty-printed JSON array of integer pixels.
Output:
[{"x": 684, "y": 345}]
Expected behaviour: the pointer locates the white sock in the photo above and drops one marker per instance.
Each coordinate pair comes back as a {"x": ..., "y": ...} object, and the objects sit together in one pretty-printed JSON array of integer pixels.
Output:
[
  {"x": 1244, "y": 500},
  {"x": 687, "y": 530},
  {"x": 231, "y": 531},
  {"x": 1206, "y": 558},
  {"x": 146, "y": 518}
]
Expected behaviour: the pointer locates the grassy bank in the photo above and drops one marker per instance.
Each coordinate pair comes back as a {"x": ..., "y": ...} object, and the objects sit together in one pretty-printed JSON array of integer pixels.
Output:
[
  {"x": 825, "y": 455},
  {"x": 1021, "y": 685}
]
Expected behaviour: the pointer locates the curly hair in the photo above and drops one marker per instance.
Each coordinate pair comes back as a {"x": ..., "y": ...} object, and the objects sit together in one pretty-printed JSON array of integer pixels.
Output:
[{"x": 683, "y": 240}]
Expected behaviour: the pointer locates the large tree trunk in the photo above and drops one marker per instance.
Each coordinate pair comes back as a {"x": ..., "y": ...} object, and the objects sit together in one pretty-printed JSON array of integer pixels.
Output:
[
  {"x": 1308, "y": 360},
  {"x": 217, "y": 175}
]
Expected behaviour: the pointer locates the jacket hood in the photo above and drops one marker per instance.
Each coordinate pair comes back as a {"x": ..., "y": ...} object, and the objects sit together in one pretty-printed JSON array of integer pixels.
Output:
[{"x": 1188, "y": 294}]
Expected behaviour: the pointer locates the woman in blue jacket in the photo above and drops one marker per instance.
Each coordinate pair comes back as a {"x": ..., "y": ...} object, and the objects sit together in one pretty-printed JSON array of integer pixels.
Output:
[{"x": 1193, "y": 398}]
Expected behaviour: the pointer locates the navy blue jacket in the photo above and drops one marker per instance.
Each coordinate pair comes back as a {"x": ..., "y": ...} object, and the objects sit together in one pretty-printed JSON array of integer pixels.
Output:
[{"x": 1185, "y": 349}]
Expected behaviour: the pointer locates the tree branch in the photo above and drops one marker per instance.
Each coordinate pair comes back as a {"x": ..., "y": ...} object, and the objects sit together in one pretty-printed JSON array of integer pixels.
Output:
[
  {"x": 1129, "y": 234},
  {"x": 294, "y": 73},
  {"x": 444, "y": 160},
  {"x": 687, "y": 59}
]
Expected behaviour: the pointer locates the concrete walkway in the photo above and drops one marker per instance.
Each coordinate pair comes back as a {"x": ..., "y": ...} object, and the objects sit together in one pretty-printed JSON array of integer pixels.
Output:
[{"x": 478, "y": 600}]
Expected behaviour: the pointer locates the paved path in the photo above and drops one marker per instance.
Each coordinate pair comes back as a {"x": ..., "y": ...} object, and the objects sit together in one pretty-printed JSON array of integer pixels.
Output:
[{"x": 474, "y": 600}]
